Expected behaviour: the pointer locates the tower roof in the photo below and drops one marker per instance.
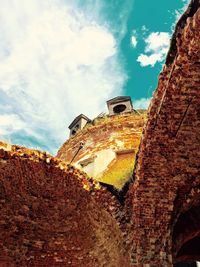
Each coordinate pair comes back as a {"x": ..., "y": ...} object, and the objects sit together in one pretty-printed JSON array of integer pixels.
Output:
[
  {"x": 77, "y": 119},
  {"x": 119, "y": 99}
]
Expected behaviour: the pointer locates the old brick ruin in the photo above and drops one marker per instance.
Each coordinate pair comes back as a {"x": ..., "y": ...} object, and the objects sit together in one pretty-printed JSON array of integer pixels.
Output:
[
  {"x": 108, "y": 142},
  {"x": 165, "y": 196},
  {"x": 54, "y": 215}
]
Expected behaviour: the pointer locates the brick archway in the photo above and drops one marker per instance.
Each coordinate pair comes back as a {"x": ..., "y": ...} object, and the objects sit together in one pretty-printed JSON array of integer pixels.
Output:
[{"x": 186, "y": 229}]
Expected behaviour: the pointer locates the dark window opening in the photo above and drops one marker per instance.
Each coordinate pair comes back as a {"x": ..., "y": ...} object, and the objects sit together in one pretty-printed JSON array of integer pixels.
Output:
[
  {"x": 73, "y": 132},
  {"x": 77, "y": 126},
  {"x": 119, "y": 108}
]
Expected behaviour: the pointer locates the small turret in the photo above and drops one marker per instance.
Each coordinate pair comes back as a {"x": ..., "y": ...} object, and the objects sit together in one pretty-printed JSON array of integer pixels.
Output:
[
  {"x": 119, "y": 105},
  {"x": 78, "y": 123}
]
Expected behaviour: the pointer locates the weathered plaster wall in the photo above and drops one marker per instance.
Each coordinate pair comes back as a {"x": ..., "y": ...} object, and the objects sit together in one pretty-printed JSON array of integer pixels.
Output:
[
  {"x": 168, "y": 169},
  {"x": 102, "y": 140},
  {"x": 52, "y": 215}
]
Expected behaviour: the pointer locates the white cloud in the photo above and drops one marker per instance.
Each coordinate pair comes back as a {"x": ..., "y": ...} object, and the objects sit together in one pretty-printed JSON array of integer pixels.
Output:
[
  {"x": 149, "y": 60},
  {"x": 157, "y": 44},
  {"x": 157, "y": 41},
  {"x": 142, "y": 103},
  {"x": 10, "y": 123},
  {"x": 55, "y": 63},
  {"x": 133, "y": 41}
]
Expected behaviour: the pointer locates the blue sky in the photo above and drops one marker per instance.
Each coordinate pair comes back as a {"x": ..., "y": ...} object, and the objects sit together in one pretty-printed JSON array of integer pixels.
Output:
[{"x": 60, "y": 58}]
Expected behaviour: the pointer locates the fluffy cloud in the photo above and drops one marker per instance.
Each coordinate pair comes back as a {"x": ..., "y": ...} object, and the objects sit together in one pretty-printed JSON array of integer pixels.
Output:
[
  {"x": 55, "y": 63},
  {"x": 10, "y": 123},
  {"x": 157, "y": 44},
  {"x": 133, "y": 41}
]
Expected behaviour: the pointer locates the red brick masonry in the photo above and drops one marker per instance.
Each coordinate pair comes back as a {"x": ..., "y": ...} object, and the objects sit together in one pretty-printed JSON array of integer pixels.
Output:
[
  {"x": 48, "y": 219},
  {"x": 52, "y": 215},
  {"x": 165, "y": 197}
]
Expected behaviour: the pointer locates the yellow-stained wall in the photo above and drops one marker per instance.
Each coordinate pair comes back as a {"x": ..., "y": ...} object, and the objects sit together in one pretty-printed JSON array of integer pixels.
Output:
[{"x": 110, "y": 143}]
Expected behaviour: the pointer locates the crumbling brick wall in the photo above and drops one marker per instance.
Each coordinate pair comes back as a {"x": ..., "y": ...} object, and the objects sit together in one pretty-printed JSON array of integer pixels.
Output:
[
  {"x": 168, "y": 167},
  {"x": 104, "y": 133},
  {"x": 47, "y": 218},
  {"x": 52, "y": 215},
  {"x": 101, "y": 140}
]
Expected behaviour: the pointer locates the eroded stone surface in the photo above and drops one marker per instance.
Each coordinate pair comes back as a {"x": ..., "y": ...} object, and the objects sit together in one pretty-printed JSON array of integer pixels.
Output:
[
  {"x": 102, "y": 140},
  {"x": 168, "y": 168},
  {"x": 51, "y": 215}
]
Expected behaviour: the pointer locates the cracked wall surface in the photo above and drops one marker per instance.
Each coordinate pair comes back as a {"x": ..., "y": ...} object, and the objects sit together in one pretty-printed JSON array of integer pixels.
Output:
[
  {"x": 52, "y": 215},
  {"x": 168, "y": 168},
  {"x": 102, "y": 139}
]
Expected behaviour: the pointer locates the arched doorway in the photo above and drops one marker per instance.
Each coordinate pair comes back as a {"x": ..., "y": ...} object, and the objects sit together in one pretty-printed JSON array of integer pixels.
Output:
[{"x": 186, "y": 238}]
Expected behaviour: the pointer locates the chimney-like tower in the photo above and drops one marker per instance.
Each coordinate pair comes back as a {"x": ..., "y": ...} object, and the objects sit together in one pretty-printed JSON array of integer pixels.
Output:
[
  {"x": 78, "y": 123},
  {"x": 119, "y": 105}
]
